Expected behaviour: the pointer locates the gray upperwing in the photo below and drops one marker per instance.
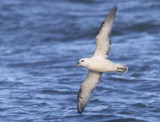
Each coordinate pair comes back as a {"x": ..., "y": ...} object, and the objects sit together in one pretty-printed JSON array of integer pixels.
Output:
[
  {"x": 86, "y": 89},
  {"x": 103, "y": 37}
]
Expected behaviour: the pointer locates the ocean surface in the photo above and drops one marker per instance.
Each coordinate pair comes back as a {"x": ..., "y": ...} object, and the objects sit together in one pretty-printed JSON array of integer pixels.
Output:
[{"x": 42, "y": 40}]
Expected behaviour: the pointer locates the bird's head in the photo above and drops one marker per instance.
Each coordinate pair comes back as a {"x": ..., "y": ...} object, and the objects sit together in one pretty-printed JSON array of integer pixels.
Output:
[{"x": 82, "y": 62}]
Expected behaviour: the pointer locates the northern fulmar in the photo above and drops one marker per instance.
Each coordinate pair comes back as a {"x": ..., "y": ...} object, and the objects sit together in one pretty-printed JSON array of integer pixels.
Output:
[{"x": 99, "y": 63}]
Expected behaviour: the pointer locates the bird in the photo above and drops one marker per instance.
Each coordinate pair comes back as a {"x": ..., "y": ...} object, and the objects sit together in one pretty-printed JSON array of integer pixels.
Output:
[{"x": 99, "y": 62}]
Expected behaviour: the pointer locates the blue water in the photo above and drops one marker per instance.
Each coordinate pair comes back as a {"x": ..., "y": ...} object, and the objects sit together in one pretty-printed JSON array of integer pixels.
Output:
[{"x": 42, "y": 40}]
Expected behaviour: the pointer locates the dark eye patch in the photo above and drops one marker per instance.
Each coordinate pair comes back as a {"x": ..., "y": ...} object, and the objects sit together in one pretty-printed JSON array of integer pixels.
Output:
[{"x": 82, "y": 61}]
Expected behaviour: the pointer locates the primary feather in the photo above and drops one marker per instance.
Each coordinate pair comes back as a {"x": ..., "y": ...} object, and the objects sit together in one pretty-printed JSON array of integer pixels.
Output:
[{"x": 103, "y": 37}]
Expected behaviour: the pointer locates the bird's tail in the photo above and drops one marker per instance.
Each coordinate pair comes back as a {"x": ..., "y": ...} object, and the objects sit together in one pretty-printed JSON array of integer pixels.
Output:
[{"x": 121, "y": 68}]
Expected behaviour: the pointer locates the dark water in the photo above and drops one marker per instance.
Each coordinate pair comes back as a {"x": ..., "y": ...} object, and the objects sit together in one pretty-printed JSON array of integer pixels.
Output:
[{"x": 41, "y": 41}]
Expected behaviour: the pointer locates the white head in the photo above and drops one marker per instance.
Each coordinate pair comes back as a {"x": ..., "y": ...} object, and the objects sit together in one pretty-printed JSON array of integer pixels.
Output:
[{"x": 83, "y": 62}]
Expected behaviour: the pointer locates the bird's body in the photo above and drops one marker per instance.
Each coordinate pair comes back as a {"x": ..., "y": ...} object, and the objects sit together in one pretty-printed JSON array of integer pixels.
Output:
[{"x": 99, "y": 63}]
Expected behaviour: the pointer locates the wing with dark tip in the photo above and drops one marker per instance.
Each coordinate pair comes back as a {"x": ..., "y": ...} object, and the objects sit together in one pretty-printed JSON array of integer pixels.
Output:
[
  {"x": 86, "y": 89},
  {"x": 103, "y": 37}
]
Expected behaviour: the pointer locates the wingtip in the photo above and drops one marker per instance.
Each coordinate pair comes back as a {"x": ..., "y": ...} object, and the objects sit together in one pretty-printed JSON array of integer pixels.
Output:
[
  {"x": 112, "y": 12},
  {"x": 80, "y": 107},
  {"x": 115, "y": 7},
  {"x": 80, "y": 112}
]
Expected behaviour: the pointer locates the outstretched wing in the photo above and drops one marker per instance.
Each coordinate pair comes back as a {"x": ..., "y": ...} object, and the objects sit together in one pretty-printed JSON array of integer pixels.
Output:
[
  {"x": 103, "y": 37},
  {"x": 86, "y": 89}
]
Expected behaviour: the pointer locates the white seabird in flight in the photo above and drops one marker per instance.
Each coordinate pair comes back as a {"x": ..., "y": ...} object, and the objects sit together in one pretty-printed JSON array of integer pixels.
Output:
[{"x": 99, "y": 63}]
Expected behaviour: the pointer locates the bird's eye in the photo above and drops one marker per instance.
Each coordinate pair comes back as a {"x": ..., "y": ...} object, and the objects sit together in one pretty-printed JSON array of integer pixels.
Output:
[{"x": 82, "y": 61}]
